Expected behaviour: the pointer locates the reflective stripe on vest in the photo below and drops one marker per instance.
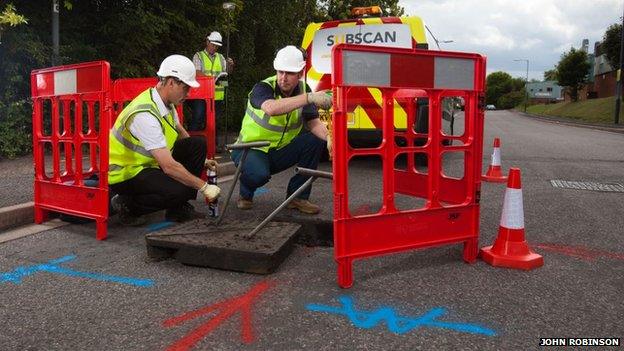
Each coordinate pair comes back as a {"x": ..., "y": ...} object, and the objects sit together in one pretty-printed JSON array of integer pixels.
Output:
[
  {"x": 127, "y": 157},
  {"x": 279, "y": 130},
  {"x": 212, "y": 67}
]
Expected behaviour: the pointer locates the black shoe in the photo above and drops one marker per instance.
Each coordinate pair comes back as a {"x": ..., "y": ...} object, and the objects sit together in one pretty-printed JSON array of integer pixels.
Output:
[
  {"x": 184, "y": 213},
  {"x": 120, "y": 206}
]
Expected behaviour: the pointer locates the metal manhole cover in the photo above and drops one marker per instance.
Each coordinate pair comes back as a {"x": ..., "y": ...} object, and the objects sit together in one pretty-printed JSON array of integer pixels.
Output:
[{"x": 566, "y": 184}]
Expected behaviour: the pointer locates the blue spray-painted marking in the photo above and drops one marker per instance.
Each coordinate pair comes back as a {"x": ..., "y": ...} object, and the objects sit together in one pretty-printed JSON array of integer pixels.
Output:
[
  {"x": 158, "y": 226},
  {"x": 260, "y": 191},
  {"x": 396, "y": 323},
  {"x": 52, "y": 266}
]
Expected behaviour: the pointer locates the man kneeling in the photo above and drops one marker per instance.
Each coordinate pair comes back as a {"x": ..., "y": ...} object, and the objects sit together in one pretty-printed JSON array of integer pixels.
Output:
[
  {"x": 153, "y": 163},
  {"x": 276, "y": 111}
]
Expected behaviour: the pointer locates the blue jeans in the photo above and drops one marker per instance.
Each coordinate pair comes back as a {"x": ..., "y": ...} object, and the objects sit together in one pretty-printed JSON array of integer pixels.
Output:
[{"x": 303, "y": 151}]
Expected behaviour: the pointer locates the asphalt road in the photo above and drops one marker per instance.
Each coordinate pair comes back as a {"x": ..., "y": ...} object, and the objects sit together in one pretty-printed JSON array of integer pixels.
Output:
[
  {"x": 17, "y": 181},
  {"x": 419, "y": 300}
]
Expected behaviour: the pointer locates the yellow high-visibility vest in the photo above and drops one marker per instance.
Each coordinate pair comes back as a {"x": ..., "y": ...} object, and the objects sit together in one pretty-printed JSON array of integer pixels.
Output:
[
  {"x": 279, "y": 130},
  {"x": 212, "y": 67},
  {"x": 127, "y": 157}
]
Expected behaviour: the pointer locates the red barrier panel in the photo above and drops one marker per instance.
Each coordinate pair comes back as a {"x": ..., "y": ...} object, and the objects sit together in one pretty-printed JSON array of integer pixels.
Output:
[
  {"x": 450, "y": 210},
  {"x": 71, "y": 119},
  {"x": 74, "y": 107}
]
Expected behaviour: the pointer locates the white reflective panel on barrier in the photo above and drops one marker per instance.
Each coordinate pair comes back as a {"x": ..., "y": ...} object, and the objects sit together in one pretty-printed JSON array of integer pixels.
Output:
[
  {"x": 366, "y": 68},
  {"x": 454, "y": 73},
  {"x": 65, "y": 82}
]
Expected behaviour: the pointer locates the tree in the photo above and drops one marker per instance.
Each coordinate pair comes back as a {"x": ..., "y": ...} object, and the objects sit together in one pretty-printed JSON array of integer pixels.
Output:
[
  {"x": 17, "y": 54},
  {"x": 10, "y": 17},
  {"x": 572, "y": 71},
  {"x": 341, "y": 9},
  {"x": 498, "y": 84},
  {"x": 510, "y": 100},
  {"x": 551, "y": 74},
  {"x": 518, "y": 84},
  {"x": 611, "y": 44}
]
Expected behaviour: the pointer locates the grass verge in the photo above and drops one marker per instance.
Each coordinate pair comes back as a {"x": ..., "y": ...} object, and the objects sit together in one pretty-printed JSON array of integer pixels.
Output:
[{"x": 590, "y": 111}]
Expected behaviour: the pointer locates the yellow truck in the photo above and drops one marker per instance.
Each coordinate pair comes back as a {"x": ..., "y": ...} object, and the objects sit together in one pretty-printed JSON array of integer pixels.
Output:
[{"x": 364, "y": 110}]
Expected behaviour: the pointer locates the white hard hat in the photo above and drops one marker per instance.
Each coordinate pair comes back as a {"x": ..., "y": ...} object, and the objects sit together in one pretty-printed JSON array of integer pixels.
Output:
[
  {"x": 180, "y": 67},
  {"x": 215, "y": 38},
  {"x": 289, "y": 59}
]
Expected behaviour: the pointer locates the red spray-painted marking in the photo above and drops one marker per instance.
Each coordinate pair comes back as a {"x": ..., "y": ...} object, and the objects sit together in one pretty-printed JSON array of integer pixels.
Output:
[
  {"x": 227, "y": 309},
  {"x": 581, "y": 252}
]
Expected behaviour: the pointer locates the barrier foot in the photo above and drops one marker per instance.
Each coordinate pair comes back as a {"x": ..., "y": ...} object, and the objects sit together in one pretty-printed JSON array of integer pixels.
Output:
[
  {"x": 101, "y": 227},
  {"x": 471, "y": 250},
  {"x": 345, "y": 273},
  {"x": 41, "y": 215}
]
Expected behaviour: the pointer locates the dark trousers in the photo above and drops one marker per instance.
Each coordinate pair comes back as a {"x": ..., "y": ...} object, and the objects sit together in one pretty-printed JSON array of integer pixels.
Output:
[
  {"x": 303, "y": 151},
  {"x": 198, "y": 115},
  {"x": 152, "y": 190}
]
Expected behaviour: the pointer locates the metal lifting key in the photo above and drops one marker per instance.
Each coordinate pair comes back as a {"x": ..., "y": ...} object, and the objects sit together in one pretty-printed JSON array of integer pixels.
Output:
[
  {"x": 314, "y": 174},
  {"x": 245, "y": 147}
]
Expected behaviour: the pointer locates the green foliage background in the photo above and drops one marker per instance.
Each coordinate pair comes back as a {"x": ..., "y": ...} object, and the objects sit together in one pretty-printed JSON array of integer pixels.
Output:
[
  {"x": 503, "y": 91},
  {"x": 611, "y": 44},
  {"x": 135, "y": 35},
  {"x": 572, "y": 71}
]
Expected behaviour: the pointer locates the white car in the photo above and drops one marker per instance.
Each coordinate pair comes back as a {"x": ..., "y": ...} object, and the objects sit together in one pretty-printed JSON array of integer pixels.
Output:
[{"x": 490, "y": 107}]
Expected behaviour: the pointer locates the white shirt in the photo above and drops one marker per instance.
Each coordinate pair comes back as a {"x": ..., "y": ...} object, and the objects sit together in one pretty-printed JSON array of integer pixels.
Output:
[{"x": 147, "y": 129}]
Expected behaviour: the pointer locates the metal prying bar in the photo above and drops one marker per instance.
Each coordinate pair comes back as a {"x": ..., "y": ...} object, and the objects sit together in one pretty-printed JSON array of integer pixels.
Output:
[
  {"x": 314, "y": 173},
  {"x": 248, "y": 145},
  {"x": 245, "y": 147},
  {"x": 303, "y": 171}
]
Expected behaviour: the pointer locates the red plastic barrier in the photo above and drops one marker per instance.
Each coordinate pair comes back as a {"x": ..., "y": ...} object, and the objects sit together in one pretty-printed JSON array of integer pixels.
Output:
[
  {"x": 451, "y": 205},
  {"x": 74, "y": 107},
  {"x": 71, "y": 119}
]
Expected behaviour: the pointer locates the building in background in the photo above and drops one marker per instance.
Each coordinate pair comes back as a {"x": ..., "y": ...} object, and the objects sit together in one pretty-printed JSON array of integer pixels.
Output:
[
  {"x": 545, "y": 92},
  {"x": 604, "y": 75}
]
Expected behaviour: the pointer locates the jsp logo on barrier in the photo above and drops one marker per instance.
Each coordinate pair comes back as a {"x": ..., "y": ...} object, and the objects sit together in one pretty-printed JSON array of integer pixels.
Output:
[
  {"x": 52, "y": 266},
  {"x": 396, "y": 323}
]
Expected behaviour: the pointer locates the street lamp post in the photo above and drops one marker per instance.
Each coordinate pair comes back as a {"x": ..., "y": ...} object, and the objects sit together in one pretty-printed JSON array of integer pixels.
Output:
[
  {"x": 229, "y": 7},
  {"x": 55, "y": 32},
  {"x": 526, "y": 85}
]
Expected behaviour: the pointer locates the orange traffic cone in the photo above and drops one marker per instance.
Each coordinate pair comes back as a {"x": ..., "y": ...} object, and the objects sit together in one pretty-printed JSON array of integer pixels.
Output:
[
  {"x": 510, "y": 248},
  {"x": 494, "y": 172}
]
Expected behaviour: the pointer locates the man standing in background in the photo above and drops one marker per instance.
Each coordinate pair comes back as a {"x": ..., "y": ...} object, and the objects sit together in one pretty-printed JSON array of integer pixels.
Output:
[{"x": 209, "y": 62}]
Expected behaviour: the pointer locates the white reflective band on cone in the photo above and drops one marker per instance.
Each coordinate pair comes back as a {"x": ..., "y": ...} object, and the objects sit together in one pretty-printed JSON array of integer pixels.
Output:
[
  {"x": 513, "y": 213},
  {"x": 496, "y": 157}
]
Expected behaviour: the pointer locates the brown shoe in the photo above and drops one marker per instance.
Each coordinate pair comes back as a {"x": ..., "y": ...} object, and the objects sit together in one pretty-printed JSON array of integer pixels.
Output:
[
  {"x": 244, "y": 204},
  {"x": 304, "y": 206}
]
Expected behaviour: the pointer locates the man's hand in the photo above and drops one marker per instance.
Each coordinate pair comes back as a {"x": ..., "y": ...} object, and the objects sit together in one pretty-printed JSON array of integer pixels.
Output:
[
  {"x": 320, "y": 99},
  {"x": 211, "y": 164},
  {"x": 210, "y": 191}
]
